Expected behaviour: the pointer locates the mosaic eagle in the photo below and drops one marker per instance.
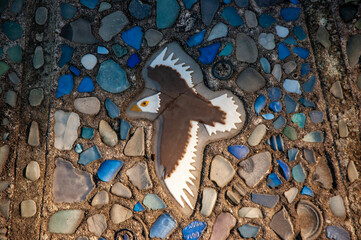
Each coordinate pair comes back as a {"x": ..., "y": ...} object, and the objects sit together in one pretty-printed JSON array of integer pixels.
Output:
[{"x": 186, "y": 117}]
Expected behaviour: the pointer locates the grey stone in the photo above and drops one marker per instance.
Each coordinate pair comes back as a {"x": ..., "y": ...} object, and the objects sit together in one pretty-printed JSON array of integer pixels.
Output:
[
  {"x": 34, "y": 139},
  {"x": 353, "y": 49},
  {"x": 120, "y": 190},
  {"x": 250, "y": 80},
  {"x": 153, "y": 37},
  {"x": 89, "y": 61},
  {"x": 14, "y": 78},
  {"x": 257, "y": 135},
  {"x": 322, "y": 175},
  {"x": 222, "y": 171},
  {"x": 310, "y": 220},
  {"x": 251, "y": 19},
  {"x": 119, "y": 214},
  {"x": 289, "y": 67},
  {"x": 108, "y": 135},
  {"x": 104, "y": 6},
  {"x": 4, "y": 208},
  {"x": 27, "y": 208},
  {"x": 336, "y": 89},
  {"x": 65, "y": 221},
  {"x": 41, "y": 15},
  {"x": 32, "y": 171},
  {"x": 267, "y": 40},
  {"x": 136, "y": 144},
  {"x": 11, "y": 98},
  {"x": 112, "y": 24},
  {"x": 358, "y": 83},
  {"x": 323, "y": 37},
  {"x": 254, "y": 169},
  {"x": 97, "y": 224},
  {"x": 65, "y": 129},
  {"x": 4, "y": 155},
  {"x": 139, "y": 176},
  {"x": 277, "y": 72},
  {"x": 342, "y": 128},
  {"x": 250, "y": 212},
  {"x": 265, "y": 200},
  {"x": 291, "y": 194},
  {"x": 246, "y": 49},
  {"x": 352, "y": 172},
  {"x": 79, "y": 31},
  {"x": 100, "y": 199},
  {"x": 282, "y": 225},
  {"x": 87, "y": 105},
  {"x": 209, "y": 199},
  {"x": 208, "y": 10},
  {"x": 36, "y": 96},
  {"x": 337, "y": 207},
  {"x": 4, "y": 185},
  {"x": 218, "y": 31}
]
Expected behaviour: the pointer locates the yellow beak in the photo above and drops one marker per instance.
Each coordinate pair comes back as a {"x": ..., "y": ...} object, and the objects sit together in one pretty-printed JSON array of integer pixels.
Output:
[{"x": 135, "y": 108}]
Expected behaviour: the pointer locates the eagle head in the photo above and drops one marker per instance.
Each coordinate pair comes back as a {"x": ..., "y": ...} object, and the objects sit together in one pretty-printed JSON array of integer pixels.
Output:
[{"x": 149, "y": 104}]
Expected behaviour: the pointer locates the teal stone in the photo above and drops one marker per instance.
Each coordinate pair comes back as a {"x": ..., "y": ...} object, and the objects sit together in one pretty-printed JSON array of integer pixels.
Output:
[
  {"x": 4, "y": 67},
  {"x": 314, "y": 137},
  {"x": 308, "y": 86},
  {"x": 290, "y": 133},
  {"x": 111, "y": 77},
  {"x": 3, "y": 5},
  {"x": 17, "y": 6},
  {"x": 299, "y": 32},
  {"x": 67, "y": 11},
  {"x": 87, "y": 133},
  {"x": 298, "y": 173},
  {"x": 189, "y": 3},
  {"x": 299, "y": 119},
  {"x": 153, "y": 202},
  {"x": 15, "y": 54},
  {"x": 291, "y": 104},
  {"x": 266, "y": 20},
  {"x": 230, "y": 14},
  {"x": 112, "y": 109},
  {"x": 226, "y": 50},
  {"x": 90, "y": 155},
  {"x": 248, "y": 231},
  {"x": 292, "y": 154},
  {"x": 1, "y": 52},
  {"x": 167, "y": 13},
  {"x": 307, "y": 103},
  {"x": 12, "y": 30},
  {"x": 119, "y": 51},
  {"x": 290, "y": 41},
  {"x": 265, "y": 65},
  {"x": 104, "y": 6},
  {"x": 124, "y": 129}
]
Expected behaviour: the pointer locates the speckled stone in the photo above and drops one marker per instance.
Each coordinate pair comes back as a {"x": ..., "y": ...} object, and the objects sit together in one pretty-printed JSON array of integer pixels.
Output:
[{"x": 255, "y": 168}]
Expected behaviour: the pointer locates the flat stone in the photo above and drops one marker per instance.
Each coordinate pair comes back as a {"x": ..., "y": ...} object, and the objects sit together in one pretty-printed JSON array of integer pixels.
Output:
[
  {"x": 15, "y": 53},
  {"x": 27, "y": 208},
  {"x": 119, "y": 214},
  {"x": 254, "y": 169},
  {"x": 218, "y": 31},
  {"x": 139, "y": 176},
  {"x": 209, "y": 199},
  {"x": 315, "y": 137},
  {"x": 153, "y": 202},
  {"x": 167, "y": 13},
  {"x": 89, "y": 61},
  {"x": 67, "y": 10},
  {"x": 78, "y": 31},
  {"x": 14, "y": 78},
  {"x": 136, "y": 144},
  {"x": 153, "y": 37},
  {"x": 322, "y": 175},
  {"x": 282, "y": 31},
  {"x": 41, "y": 15},
  {"x": 248, "y": 231},
  {"x": 290, "y": 133},
  {"x": 250, "y": 80},
  {"x": 139, "y": 10},
  {"x": 266, "y": 66},
  {"x": 336, "y": 89},
  {"x": 208, "y": 10},
  {"x": 194, "y": 230},
  {"x": 353, "y": 49},
  {"x": 358, "y": 83},
  {"x": 4, "y": 208},
  {"x": 32, "y": 171},
  {"x": 291, "y": 194},
  {"x": 337, "y": 206},
  {"x": 34, "y": 139},
  {"x": 323, "y": 37},
  {"x": 4, "y": 67},
  {"x": 250, "y": 212},
  {"x": 348, "y": 11},
  {"x": 232, "y": 17},
  {"x": 4, "y": 155},
  {"x": 12, "y": 30},
  {"x": 112, "y": 24},
  {"x": 222, "y": 171},
  {"x": 65, "y": 129},
  {"x": 299, "y": 173},
  {"x": 163, "y": 226},
  {"x": 352, "y": 172},
  {"x": 289, "y": 67},
  {"x": 4, "y": 185},
  {"x": 108, "y": 135},
  {"x": 100, "y": 199},
  {"x": 309, "y": 156},
  {"x": 337, "y": 233},
  {"x": 70, "y": 184},
  {"x": 268, "y": 3},
  {"x": 97, "y": 224},
  {"x": 265, "y": 200},
  {"x": 104, "y": 6},
  {"x": 257, "y": 135},
  {"x": 277, "y": 72},
  {"x": 90, "y": 155},
  {"x": 65, "y": 221},
  {"x": 111, "y": 77},
  {"x": 222, "y": 226},
  {"x": 246, "y": 49},
  {"x": 11, "y": 98},
  {"x": 36, "y": 96},
  {"x": 310, "y": 220},
  {"x": 282, "y": 225},
  {"x": 121, "y": 190},
  {"x": 251, "y": 19},
  {"x": 267, "y": 41}
]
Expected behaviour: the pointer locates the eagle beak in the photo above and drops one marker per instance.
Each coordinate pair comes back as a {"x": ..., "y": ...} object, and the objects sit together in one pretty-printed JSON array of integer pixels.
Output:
[{"x": 135, "y": 108}]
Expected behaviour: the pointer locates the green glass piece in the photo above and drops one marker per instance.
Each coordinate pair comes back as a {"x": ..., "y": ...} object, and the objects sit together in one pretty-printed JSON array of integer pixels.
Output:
[
  {"x": 290, "y": 133},
  {"x": 167, "y": 13},
  {"x": 119, "y": 51},
  {"x": 4, "y": 67}
]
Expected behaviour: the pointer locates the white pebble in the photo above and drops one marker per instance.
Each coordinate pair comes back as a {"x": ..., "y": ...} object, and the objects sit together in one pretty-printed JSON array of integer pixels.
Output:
[{"x": 89, "y": 61}]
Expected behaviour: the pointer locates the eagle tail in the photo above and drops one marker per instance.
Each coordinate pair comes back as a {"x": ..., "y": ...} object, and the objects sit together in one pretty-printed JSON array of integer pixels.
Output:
[{"x": 227, "y": 105}]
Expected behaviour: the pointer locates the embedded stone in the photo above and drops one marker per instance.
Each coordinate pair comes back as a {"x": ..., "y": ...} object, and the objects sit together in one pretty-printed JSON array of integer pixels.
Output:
[
  {"x": 89, "y": 61},
  {"x": 90, "y": 155},
  {"x": 4, "y": 208},
  {"x": 250, "y": 212},
  {"x": 291, "y": 194},
  {"x": 267, "y": 40},
  {"x": 32, "y": 171},
  {"x": 153, "y": 202},
  {"x": 12, "y": 30},
  {"x": 353, "y": 49},
  {"x": 322, "y": 175},
  {"x": 209, "y": 199},
  {"x": 108, "y": 135},
  {"x": 282, "y": 31},
  {"x": 36, "y": 96},
  {"x": 167, "y": 13},
  {"x": 11, "y": 98},
  {"x": 282, "y": 225},
  {"x": 27, "y": 208},
  {"x": 34, "y": 139},
  {"x": 246, "y": 49},
  {"x": 139, "y": 176},
  {"x": 111, "y": 77},
  {"x": 153, "y": 37},
  {"x": 136, "y": 144},
  {"x": 112, "y": 24},
  {"x": 78, "y": 31},
  {"x": 337, "y": 206},
  {"x": 119, "y": 214},
  {"x": 65, "y": 129},
  {"x": 251, "y": 19},
  {"x": 352, "y": 172},
  {"x": 222, "y": 226},
  {"x": 250, "y": 80},
  {"x": 4, "y": 155},
  {"x": 337, "y": 233},
  {"x": 323, "y": 37},
  {"x": 248, "y": 231},
  {"x": 257, "y": 135},
  {"x": 162, "y": 227},
  {"x": 208, "y": 10},
  {"x": 277, "y": 72},
  {"x": 139, "y": 10},
  {"x": 97, "y": 224},
  {"x": 65, "y": 221},
  {"x": 218, "y": 31},
  {"x": 310, "y": 220},
  {"x": 41, "y": 15},
  {"x": 265, "y": 200},
  {"x": 222, "y": 171},
  {"x": 100, "y": 199},
  {"x": 254, "y": 169},
  {"x": 342, "y": 128},
  {"x": 336, "y": 89},
  {"x": 121, "y": 190}
]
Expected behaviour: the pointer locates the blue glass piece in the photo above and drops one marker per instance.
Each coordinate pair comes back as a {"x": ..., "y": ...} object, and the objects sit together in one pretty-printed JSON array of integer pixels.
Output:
[
  {"x": 305, "y": 69},
  {"x": 268, "y": 116},
  {"x": 226, "y": 50},
  {"x": 194, "y": 230},
  {"x": 248, "y": 231},
  {"x": 230, "y": 14},
  {"x": 119, "y": 51},
  {"x": 259, "y": 104},
  {"x": 242, "y": 3},
  {"x": 301, "y": 52},
  {"x": 17, "y": 6},
  {"x": 12, "y": 30},
  {"x": 298, "y": 173},
  {"x": 290, "y": 41},
  {"x": 276, "y": 143},
  {"x": 89, "y": 3},
  {"x": 337, "y": 233},
  {"x": 111, "y": 77},
  {"x": 316, "y": 116},
  {"x": 307, "y": 103},
  {"x": 292, "y": 86},
  {"x": 133, "y": 37},
  {"x": 153, "y": 202},
  {"x": 65, "y": 85},
  {"x": 283, "y": 51},
  {"x": 133, "y": 60},
  {"x": 196, "y": 39},
  {"x": 109, "y": 169},
  {"x": 295, "y": 2},
  {"x": 162, "y": 227},
  {"x": 276, "y": 106},
  {"x": 208, "y": 53},
  {"x": 279, "y": 123},
  {"x": 112, "y": 109},
  {"x": 227, "y": 1},
  {"x": 314, "y": 137},
  {"x": 299, "y": 119},
  {"x": 264, "y": 199},
  {"x": 139, "y": 10},
  {"x": 167, "y": 13},
  {"x": 266, "y": 66},
  {"x": 189, "y": 3},
  {"x": 273, "y": 180},
  {"x": 239, "y": 151},
  {"x": 78, "y": 148},
  {"x": 266, "y": 20},
  {"x": 299, "y": 32},
  {"x": 67, "y": 11},
  {"x": 124, "y": 129},
  {"x": 291, "y": 105},
  {"x": 74, "y": 70},
  {"x": 307, "y": 191},
  {"x": 102, "y": 50},
  {"x": 87, "y": 133},
  {"x": 274, "y": 93},
  {"x": 86, "y": 85},
  {"x": 138, "y": 207},
  {"x": 285, "y": 169},
  {"x": 66, "y": 55},
  {"x": 89, "y": 155},
  {"x": 292, "y": 154},
  {"x": 290, "y": 14}
]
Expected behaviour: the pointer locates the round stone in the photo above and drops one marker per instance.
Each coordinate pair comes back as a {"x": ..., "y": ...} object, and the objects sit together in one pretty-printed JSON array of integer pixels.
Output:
[
  {"x": 121, "y": 191},
  {"x": 89, "y": 61},
  {"x": 112, "y": 78},
  {"x": 250, "y": 80},
  {"x": 222, "y": 171},
  {"x": 27, "y": 208},
  {"x": 100, "y": 199},
  {"x": 119, "y": 214},
  {"x": 87, "y": 105},
  {"x": 36, "y": 96},
  {"x": 246, "y": 49},
  {"x": 41, "y": 15},
  {"x": 32, "y": 171}
]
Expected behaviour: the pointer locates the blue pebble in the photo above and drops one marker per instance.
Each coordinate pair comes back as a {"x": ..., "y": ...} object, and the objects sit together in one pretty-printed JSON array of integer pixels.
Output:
[
  {"x": 301, "y": 52},
  {"x": 89, "y": 155},
  {"x": 291, "y": 105},
  {"x": 189, "y": 3},
  {"x": 273, "y": 180},
  {"x": 266, "y": 20},
  {"x": 167, "y": 13},
  {"x": 337, "y": 233},
  {"x": 78, "y": 148},
  {"x": 67, "y": 11},
  {"x": 292, "y": 86},
  {"x": 12, "y": 30},
  {"x": 276, "y": 106},
  {"x": 308, "y": 86},
  {"x": 196, "y": 39},
  {"x": 305, "y": 69},
  {"x": 133, "y": 37},
  {"x": 248, "y": 231},
  {"x": 74, "y": 70},
  {"x": 290, "y": 14},
  {"x": 139, "y": 10},
  {"x": 285, "y": 169},
  {"x": 226, "y": 50},
  {"x": 307, "y": 103},
  {"x": 138, "y": 207},
  {"x": 307, "y": 191},
  {"x": 153, "y": 202},
  {"x": 299, "y": 32},
  {"x": 111, "y": 77},
  {"x": 298, "y": 173},
  {"x": 274, "y": 93},
  {"x": 112, "y": 109},
  {"x": 133, "y": 60},
  {"x": 268, "y": 116},
  {"x": 102, "y": 50},
  {"x": 295, "y": 2},
  {"x": 109, "y": 169},
  {"x": 239, "y": 151},
  {"x": 87, "y": 133},
  {"x": 89, "y": 3},
  {"x": 86, "y": 85},
  {"x": 259, "y": 104},
  {"x": 276, "y": 143},
  {"x": 292, "y": 154},
  {"x": 65, "y": 85},
  {"x": 162, "y": 227},
  {"x": 66, "y": 55},
  {"x": 230, "y": 14},
  {"x": 124, "y": 129},
  {"x": 194, "y": 230},
  {"x": 208, "y": 53},
  {"x": 227, "y": 1},
  {"x": 266, "y": 66},
  {"x": 279, "y": 122},
  {"x": 283, "y": 51},
  {"x": 290, "y": 41}
]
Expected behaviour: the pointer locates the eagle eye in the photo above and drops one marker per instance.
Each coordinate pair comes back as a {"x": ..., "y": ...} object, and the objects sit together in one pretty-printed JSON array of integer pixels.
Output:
[{"x": 144, "y": 103}]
